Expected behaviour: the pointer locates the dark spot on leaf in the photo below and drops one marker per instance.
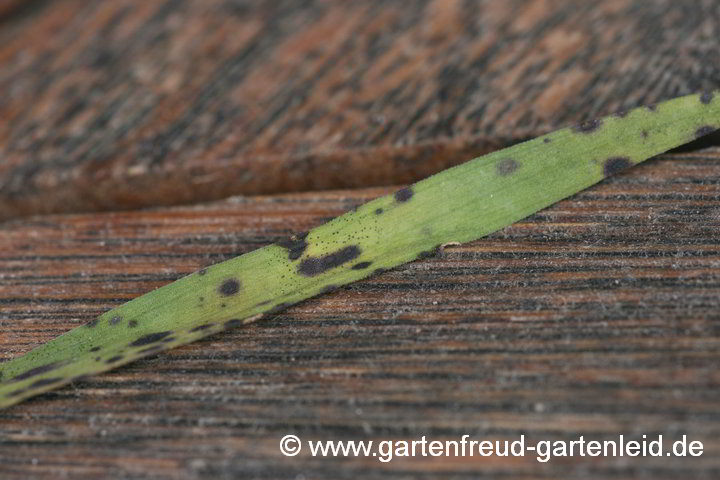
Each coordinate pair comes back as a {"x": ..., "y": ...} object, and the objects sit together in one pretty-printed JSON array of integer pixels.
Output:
[
  {"x": 644, "y": 134},
  {"x": 229, "y": 287},
  {"x": 38, "y": 370},
  {"x": 428, "y": 253},
  {"x": 262, "y": 304},
  {"x": 506, "y": 166},
  {"x": 404, "y": 194},
  {"x": 202, "y": 271},
  {"x": 706, "y": 98},
  {"x": 378, "y": 211},
  {"x": 169, "y": 339},
  {"x": 588, "y": 126},
  {"x": 114, "y": 359},
  {"x": 115, "y": 320},
  {"x": 97, "y": 359},
  {"x": 92, "y": 323},
  {"x": 295, "y": 245},
  {"x": 546, "y": 140},
  {"x": 199, "y": 328},
  {"x": 651, "y": 107},
  {"x": 132, "y": 323},
  {"x": 94, "y": 349},
  {"x": 150, "y": 338},
  {"x": 378, "y": 271},
  {"x": 361, "y": 265},
  {"x": 704, "y": 130},
  {"x": 223, "y": 305},
  {"x": 614, "y": 165},
  {"x": 316, "y": 265},
  {"x": 44, "y": 381},
  {"x": 621, "y": 113},
  {"x": 232, "y": 323}
]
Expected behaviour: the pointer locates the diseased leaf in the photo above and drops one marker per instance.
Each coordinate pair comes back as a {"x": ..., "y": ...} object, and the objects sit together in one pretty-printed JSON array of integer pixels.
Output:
[{"x": 457, "y": 205}]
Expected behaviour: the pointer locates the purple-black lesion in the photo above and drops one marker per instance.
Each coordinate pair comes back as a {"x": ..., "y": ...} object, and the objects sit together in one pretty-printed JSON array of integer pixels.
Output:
[
  {"x": 615, "y": 165},
  {"x": 151, "y": 338},
  {"x": 313, "y": 266},
  {"x": 295, "y": 245},
  {"x": 229, "y": 287},
  {"x": 403, "y": 195}
]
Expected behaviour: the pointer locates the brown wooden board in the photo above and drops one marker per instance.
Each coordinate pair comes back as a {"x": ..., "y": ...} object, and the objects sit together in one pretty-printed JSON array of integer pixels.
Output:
[
  {"x": 598, "y": 316},
  {"x": 123, "y": 104}
]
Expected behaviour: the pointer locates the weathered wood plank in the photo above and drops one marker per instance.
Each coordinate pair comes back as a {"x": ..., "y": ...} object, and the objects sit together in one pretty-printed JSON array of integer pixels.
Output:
[
  {"x": 123, "y": 104},
  {"x": 598, "y": 316}
]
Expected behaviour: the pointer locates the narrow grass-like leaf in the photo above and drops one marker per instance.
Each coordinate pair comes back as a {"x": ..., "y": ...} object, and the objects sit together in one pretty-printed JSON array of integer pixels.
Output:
[{"x": 457, "y": 205}]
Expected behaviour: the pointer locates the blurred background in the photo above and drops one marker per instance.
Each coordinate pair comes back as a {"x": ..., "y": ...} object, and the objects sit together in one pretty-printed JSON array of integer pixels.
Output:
[{"x": 141, "y": 140}]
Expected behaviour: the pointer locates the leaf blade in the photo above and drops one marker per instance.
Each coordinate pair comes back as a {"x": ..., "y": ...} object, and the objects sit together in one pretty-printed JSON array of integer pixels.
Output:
[{"x": 457, "y": 205}]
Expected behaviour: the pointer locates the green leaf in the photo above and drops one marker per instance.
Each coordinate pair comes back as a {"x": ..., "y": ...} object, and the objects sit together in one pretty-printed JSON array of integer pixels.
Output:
[{"x": 457, "y": 205}]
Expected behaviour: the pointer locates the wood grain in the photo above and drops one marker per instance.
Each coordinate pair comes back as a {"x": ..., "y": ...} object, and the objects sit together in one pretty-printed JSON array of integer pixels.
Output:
[
  {"x": 125, "y": 104},
  {"x": 596, "y": 317}
]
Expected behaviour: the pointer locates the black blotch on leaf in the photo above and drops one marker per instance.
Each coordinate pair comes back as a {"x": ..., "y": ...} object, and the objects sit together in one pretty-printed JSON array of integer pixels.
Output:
[
  {"x": 428, "y": 253},
  {"x": 38, "y": 370},
  {"x": 92, "y": 323},
  {"x": 404, "y": 194},
  {"x": 547, "y": 140},
  {"x": 115, "y": 320},
  {"x": 704, "y": 130},
  {"x": 44, "y": 381},
  {"x": 94, "y": 349},
  {"x": 506, "y": 166},
  {"x": 706, "y": 98},
  {"x": 295, "y": 245},
  {"x": 202, "y": 271},
  {"x": 229, "y": 287},
  {"x": 378, "y": 211},
  {"x": 132, "y": 323},
  {"x": 150, "y": 338},
  {"x": 114, "y": 359},
  {"x": 361, "y": 265},
  {"x": 233, "y": 323},
  {"x": 645, "y": 134},
  {"x": 201, "y": 327},
  {"x": 316, "y": 265},
  {"x": 588, "y": 126},
  {"x": 651, "y": 107},
  {"x": 614, "y": 165}
]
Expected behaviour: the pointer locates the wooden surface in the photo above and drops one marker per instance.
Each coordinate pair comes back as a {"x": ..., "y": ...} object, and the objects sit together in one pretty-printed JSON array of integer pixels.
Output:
[
  {"x": 596, "y": 317},
  {"x": 127, "y": 103}
]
